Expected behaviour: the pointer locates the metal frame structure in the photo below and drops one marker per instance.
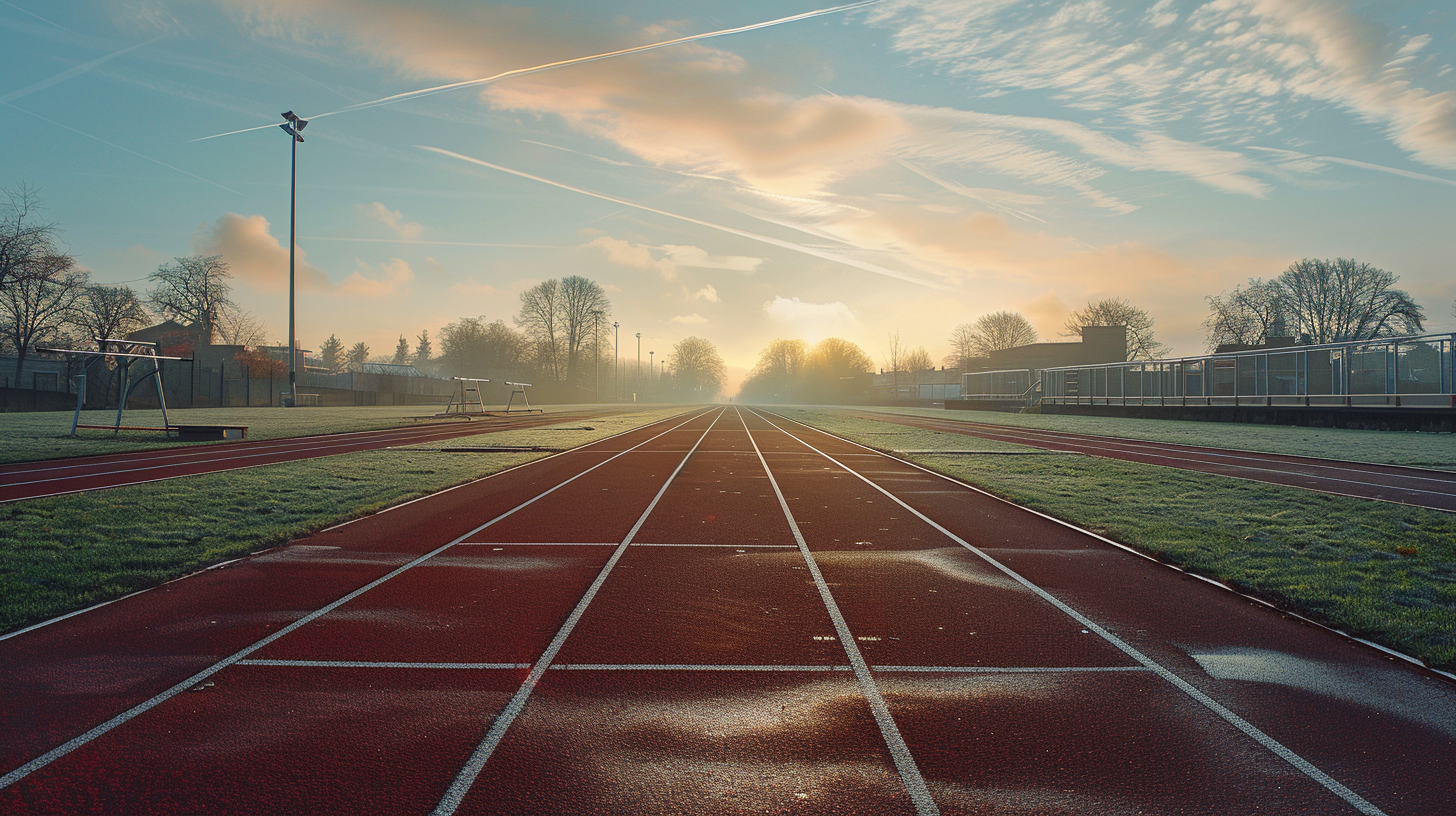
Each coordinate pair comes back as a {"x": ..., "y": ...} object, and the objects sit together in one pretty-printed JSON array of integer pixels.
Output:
[
  {"x": 123, "y": 355},
  {"x": 1410, "y": 372},
  {"x": 520, "y": 388},
  {"x": 468, "y": 386}
]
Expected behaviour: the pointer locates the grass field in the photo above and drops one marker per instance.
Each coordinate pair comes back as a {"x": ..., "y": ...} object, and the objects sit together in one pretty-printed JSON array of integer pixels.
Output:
[
  {"x": 1431, "y": 450},
  {"x": 69, "y": 552},
  {"x": 1380, "y": 571},
  {"x": 33, "y": 436}
]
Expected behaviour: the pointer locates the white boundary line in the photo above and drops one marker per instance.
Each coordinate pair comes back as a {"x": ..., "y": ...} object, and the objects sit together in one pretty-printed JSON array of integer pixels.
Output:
[
  {"x": 691, "y": 667},
  {"x": 467, "y": 775},
  {"x": 900, "y": 752},
  {"x": 76, "y": 742},
  {"x": 1274, "y": 746},
  {"x": 388, "y": 664}
]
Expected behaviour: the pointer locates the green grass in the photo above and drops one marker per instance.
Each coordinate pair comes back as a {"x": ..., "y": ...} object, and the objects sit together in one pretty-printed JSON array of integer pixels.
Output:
[
  {"x": 26, "y": 437},
  {"x": 69, "y": 552},
  {"x": 1380, "y": 571},
  {"x": 1433, "y": 450}
]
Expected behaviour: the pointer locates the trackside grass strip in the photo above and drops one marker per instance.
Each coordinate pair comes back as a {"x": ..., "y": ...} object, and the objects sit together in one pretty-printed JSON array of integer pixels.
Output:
[
  {"x": 70, "y": 552},
  {"x": 1380, "y": 571}
]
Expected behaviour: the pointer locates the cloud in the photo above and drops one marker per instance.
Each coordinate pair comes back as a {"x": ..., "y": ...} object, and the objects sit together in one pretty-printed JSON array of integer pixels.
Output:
[
  {"x": 693, "y": 319},
  {"x": 393, "y": 278},
  {"x": 471, "y": 288},
  {"x": 391, "y": 219},
  {"x": 254, "y": 255},
  {"x": 811, "y": 321},
  {"x": 707, "y": 293}
]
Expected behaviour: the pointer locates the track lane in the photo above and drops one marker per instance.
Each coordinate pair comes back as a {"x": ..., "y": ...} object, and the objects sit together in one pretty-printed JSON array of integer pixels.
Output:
[
  {"x": 1420, "y": 487},
  {"x": 30, "y": 480},
  {"x": 1384, "y": 729}
]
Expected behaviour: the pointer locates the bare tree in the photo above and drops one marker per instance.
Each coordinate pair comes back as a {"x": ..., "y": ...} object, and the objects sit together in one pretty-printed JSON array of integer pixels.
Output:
[
  {"x": 584, "y": 304},
  {"x": 540, "y": 320},
  {"x": 917, "y": 361},
  {"x": 192, "y": 290},
  {"x": 109, "y": 312},
  {"x": 1247, "y": 316},
  {"x": 829, "y": 365},
  {"x": 401, "y": 351},
  {"x": 997, "y": 331},
  {"x": 962, "y": 347},
  {"x": 1327, "y": 301},
  {"x": 1141, "y": 344},
  {"x": 778, "y": 371},
  {"x": 471, "y": 347},
  {"x": 239, "y": 327},
  {"x": 25, "y": 240},
  {"x": 697, "y": 368},
  {"x": 894, "y": 358},
  {"x": 39, "y": 303}
]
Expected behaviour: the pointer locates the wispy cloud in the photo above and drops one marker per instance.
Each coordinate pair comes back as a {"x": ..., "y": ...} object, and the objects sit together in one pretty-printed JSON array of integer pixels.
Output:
[
  {"x": 393, "y": 220},
  {"x": 835, "y": 257},
  {"x": 69, "y": 73}
]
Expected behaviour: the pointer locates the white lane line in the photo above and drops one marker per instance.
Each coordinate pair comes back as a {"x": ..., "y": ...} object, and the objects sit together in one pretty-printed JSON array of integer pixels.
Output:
[
  {"x": 695, "y": 667},
  {"x": 460, "y": 787},
  {"x": 899, "y": 751},
  {"x": 726, "y": 546},
  {"x": 1273, "y": 745},
  {"x": 539, "y": 543},
  {"x": 365, "y": 664},
  {"x": 76, "y": 742},
  {"x": 1011, "y": 669}
]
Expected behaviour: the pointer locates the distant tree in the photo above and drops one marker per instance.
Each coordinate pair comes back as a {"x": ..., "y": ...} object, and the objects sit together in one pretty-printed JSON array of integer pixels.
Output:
[
  {"x": 918, "y": 364},
  {"x": 1141, "y": 344},
  {"x": 1327, "y": 301},
  {"x": 962, "y": 347},
  {"x": 829, "y": 366},
  {"x": 894, "y": 358},
  {"x": 331, "y": 353},
  {"x": 39, "y": 303},
  {"x": 25, "y": 240},
  {"x": 776, "y": 376},
  {"x": 401, "y": 351},
  {"x": 471, "y": 347},
  {"x": 584, "y": 305},
  {"x": 996, "y": 331},
  {"x": 540, "y": 319},
  {"x": 1248, "y": 315},
  {"x": 109, "y": 312},
  {"x": 193, "y": 290},
  {"x": 423, "y": 349},
  {"x": 697, "y": 369},
  {"x": 358, "y": 354},
  {"x": 239, "y": 327}
]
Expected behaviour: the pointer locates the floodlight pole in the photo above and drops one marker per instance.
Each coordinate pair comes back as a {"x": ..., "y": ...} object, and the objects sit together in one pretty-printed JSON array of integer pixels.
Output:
[
  {"x": 639, "y": 364},
  {"x": 293, "y": 128},
  {"x": 650, "y": 371},
  {"x": 616, "y": 356}
]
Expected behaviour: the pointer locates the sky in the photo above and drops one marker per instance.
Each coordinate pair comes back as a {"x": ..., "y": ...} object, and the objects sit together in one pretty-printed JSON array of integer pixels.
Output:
[{"x": 803, "y": 171}]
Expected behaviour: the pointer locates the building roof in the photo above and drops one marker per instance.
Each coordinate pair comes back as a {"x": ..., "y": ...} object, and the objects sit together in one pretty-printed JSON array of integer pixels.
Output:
[{"x": 391, "y": 369}]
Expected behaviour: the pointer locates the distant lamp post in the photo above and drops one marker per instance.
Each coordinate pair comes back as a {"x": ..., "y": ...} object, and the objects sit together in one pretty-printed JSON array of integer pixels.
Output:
[
  {"x": 639, "y": 365},
  {"x": 293, "y": 127},
  {"x": 616, "y": 355},
  {"x": 651, "y": 372}
]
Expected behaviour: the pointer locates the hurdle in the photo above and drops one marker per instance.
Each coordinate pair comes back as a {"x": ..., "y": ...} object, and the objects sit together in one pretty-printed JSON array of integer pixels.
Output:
[
  {"x": 519, "y": 389},
  {"x": 123, "y": 354}
]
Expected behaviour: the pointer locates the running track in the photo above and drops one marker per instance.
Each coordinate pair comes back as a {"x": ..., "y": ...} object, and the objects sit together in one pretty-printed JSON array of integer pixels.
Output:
[
  {"x": 722, "y": 613},
  {"x": 1421, "y": 487},
  {"x": 33, "y": 480}
]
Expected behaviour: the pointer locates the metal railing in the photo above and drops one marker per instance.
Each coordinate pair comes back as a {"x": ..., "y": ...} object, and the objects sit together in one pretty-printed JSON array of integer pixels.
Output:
[{"x": 1387, "y": 372}]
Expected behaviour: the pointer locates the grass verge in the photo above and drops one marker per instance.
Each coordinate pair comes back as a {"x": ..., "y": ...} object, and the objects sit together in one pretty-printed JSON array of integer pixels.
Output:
[
  {"x": 29, "y": 437},
  {"x": 1380, "y": 571},
  {"x": 1432, "y": 450},
  {"x": 70, "y": 552}
]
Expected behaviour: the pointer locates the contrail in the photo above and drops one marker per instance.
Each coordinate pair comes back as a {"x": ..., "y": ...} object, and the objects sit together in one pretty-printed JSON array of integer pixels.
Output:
[
  {"x": 390, "y": 100},
  {"x": 429, "y": 243},
  {"x": 824, "y": 255},
  {"x": 68, "y": 73},
  {"x": 965, "y": 191},
  {"x": 42, "y": 19},
  {"x": 119, "y": 147},
  {"x": 1362, "y": 165}
]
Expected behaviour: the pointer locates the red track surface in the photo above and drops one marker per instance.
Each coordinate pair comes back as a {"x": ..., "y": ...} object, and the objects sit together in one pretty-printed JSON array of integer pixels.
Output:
[
  {"x": 653, "y": 624},
  {"x": 1421, "y": 487},
  {"x": 33, "y": 480}
]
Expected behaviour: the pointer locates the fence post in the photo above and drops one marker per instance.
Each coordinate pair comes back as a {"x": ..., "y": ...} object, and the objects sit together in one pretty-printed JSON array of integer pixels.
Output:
[{"x": 247, "y": 388}]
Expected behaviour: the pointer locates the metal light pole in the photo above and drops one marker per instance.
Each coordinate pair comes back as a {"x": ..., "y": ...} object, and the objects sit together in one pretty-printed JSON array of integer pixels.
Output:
[
  {"x": 616, "y": 355},
  {"x": 639, "y": 362},
  {"x": 597, "y": 355},
  {"x": 651, "y": 372},
  {"x": 293, "y": 127}
]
